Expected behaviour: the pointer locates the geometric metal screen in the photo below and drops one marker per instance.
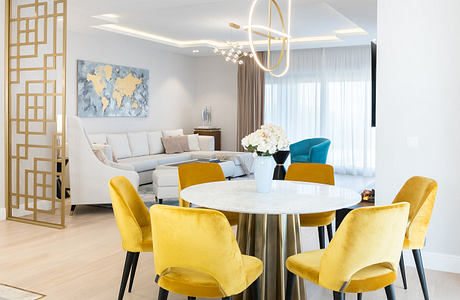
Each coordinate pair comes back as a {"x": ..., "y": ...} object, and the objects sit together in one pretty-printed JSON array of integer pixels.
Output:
[{"x": 36, "y": 103}]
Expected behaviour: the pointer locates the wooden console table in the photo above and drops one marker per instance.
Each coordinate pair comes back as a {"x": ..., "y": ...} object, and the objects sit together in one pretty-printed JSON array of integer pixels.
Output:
[{"x": 211, "y": 131}]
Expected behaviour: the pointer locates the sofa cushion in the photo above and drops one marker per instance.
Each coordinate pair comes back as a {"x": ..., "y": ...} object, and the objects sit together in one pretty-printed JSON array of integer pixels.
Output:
[
  {"x": 171, "y": 144},
  {"x": 141, "y": 163},
  {"x": 183, "y": 141},
  {"x": 174, "y": 158},
  {"x": 155, "y": 144},
  {"x": 173, "y": 132},
  {"x": 138, "y": 143},
  {"x": 106, "y": 150},
  {"x": 193, "y": 143},
  {"x": 99, "y": 138},
  {"x": 120, "y": 145}
]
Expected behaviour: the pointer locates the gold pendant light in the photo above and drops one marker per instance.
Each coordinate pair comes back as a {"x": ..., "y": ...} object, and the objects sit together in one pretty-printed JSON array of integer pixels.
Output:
[{"x": 272, "y": 35}]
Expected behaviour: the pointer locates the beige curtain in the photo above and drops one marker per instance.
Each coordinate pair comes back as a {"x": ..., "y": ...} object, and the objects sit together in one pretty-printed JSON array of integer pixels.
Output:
[{"x": 251, "y": 87}]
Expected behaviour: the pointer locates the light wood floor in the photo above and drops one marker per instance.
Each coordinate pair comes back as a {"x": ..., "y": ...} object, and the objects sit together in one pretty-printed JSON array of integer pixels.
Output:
[{"x": 85, "y": 260}]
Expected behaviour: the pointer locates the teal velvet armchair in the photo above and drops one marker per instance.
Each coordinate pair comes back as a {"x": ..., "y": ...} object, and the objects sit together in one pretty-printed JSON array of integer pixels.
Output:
[{"x": 310, "y": 151}]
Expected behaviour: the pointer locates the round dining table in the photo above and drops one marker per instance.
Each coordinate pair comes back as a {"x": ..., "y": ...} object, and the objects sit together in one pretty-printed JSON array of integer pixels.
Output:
[{"x": 269, "y": 226}]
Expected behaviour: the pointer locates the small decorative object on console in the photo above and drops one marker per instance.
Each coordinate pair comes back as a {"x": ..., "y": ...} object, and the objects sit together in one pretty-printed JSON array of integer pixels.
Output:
[
  {"x": 206, "y": 116},
  {"x": 265, "y": 142}
]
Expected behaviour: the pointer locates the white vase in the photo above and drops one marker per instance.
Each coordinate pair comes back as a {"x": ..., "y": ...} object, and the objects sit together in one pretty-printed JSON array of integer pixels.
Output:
[{"x": 263, "y": 172}]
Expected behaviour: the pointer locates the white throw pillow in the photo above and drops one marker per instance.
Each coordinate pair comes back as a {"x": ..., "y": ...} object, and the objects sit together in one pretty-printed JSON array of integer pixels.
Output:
[
  {"x": 138, "y": 143},
  {"x": 173, "y": 132},
  {"x": 193, "y": 142},
  {"x": 99, "y": 138},
  {"x": 120, "y": 145},
  {"x": 155, "y": 144}
]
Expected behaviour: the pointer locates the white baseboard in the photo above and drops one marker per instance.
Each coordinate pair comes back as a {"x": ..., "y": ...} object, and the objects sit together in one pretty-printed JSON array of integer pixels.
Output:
[
  {"x": 2, "y": 213},
  {"x": 435, "y": 261}
]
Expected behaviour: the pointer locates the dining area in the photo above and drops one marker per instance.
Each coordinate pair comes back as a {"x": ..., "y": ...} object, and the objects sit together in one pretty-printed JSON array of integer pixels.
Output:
[{"x": 239, "y": 239}]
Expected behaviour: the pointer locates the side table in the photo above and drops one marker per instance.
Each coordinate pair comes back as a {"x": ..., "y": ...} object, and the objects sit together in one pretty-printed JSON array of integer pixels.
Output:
[
  {"x": 210, "y": 131},
  {"x": 280, "y": 158}
]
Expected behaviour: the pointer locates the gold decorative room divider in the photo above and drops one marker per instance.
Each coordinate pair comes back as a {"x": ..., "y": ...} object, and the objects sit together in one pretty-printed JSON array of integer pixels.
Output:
[{"x": 36, "y": 106}]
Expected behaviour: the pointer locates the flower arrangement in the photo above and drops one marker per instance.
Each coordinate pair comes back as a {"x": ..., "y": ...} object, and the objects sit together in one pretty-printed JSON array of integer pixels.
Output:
[{"x": 266, "y": 141}]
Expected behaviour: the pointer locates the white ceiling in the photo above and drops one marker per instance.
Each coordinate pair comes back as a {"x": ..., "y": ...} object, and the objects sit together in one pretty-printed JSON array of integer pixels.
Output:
[{"x": 208, "y": 19}]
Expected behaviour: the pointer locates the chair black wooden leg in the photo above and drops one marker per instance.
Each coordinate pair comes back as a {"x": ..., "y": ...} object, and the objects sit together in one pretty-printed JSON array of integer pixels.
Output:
[
  {"x": 163, "y": 294},
  {"x": 191, "y": 298},
  {"x": 255, "y": 289},
  {"x": 124, "y": 277},
  {"x": 360, "y": 296},
  {"x": 403, "y": 271},
  {"x": 389, "y": 290},
  {"x": 421, "y": 272},
  {"x": 133, "y": 271},
  {"x": 72, "y": 209},
  {"x": 329, "y": 232},
  {"x": 339, "y": 295},
  {"x": 290, "y": 285},
  {"x": 322, "y": 242}
]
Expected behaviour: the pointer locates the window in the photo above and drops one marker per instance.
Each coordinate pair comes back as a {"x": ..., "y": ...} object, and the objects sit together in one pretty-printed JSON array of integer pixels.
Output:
[{"x": 327, "y": 93}]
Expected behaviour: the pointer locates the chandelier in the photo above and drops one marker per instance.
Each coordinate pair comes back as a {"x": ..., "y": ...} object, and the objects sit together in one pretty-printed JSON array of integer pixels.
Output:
[
  {"x": 233, "y": 52},
  {"x": 273, "y": 37}
]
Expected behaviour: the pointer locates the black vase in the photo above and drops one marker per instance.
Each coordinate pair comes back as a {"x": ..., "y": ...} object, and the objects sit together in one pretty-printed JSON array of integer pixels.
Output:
[{"x": 280, "y": 158}]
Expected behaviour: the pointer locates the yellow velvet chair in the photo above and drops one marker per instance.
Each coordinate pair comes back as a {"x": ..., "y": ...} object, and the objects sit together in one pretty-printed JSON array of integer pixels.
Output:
[
  {"x": 317, "y": 173},
  {"x": 362, "y": 256},
  {"x": 196, "y": 254},
  {"x": 197, "y": 173},
  {"x": 420, "y": 192},
  {"x": 133, "y": 221}
]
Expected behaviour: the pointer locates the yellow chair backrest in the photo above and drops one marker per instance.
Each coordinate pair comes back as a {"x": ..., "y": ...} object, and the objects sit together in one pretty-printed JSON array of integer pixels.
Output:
[
  {"x": 420, "y": 192},
  {"x": 311, "y": 172},
  {"x": 367, "y": 236},
  {"x": 197, "y": 173},
  {"x": 200, "y": 240},
  {"x": 130, "y": 213}
]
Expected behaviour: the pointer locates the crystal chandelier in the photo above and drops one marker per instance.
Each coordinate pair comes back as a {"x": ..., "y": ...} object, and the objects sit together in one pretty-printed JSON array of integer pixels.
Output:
[{"x": 233, "y": 52}]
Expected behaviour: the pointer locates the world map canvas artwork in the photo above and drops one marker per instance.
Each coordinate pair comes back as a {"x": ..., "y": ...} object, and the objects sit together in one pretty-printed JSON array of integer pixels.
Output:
[{"x": 106, "y": 90}]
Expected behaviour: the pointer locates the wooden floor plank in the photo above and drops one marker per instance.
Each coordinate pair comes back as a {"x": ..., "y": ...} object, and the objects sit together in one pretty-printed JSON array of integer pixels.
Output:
[{"x": 85, "y": 261}]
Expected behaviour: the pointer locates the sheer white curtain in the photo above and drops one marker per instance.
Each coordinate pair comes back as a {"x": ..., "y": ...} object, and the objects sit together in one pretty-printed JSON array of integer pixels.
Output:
[{"x": 327, "y": 93}]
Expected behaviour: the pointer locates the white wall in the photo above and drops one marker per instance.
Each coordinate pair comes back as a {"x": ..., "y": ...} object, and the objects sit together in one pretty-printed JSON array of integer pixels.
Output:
[
  {"x": 216, "y": 86},
  {"x": 2, "y": 96},
  {"x": 418, "y": 108},
  {"x": 171, "y": 83}
]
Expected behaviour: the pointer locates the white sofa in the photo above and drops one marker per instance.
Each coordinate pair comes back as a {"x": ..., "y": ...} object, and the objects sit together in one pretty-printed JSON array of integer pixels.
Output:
[{"x": 137, "y": 157}]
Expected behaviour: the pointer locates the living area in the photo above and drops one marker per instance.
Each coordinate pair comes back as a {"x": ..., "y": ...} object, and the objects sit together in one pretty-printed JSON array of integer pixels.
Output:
[{"x": 304, "y": 128}]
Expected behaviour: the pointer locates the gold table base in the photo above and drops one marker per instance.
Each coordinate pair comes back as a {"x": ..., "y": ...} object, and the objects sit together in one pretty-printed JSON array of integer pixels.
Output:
[{"x": 272, "y": 238}]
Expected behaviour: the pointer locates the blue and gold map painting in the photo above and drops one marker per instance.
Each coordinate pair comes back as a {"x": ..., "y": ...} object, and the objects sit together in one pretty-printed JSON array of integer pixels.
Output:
[{"x": 106, "y": 90}]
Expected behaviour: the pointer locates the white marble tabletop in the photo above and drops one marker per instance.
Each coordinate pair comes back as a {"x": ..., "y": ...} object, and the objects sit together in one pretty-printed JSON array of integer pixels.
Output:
[{"x": 286, "y": 197}]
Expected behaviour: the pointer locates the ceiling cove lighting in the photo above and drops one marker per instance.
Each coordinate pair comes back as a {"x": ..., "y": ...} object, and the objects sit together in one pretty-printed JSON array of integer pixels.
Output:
[
  {"x": 272, "y": 35},
  {"x": 350, "y": 31},
  {"x": 112, "y": 18},
  {"x": 115, "y": 28}
]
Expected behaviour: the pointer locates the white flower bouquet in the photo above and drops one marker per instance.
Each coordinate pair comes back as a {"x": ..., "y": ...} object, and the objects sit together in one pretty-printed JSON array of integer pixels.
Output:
[{"x": 266, "y": 141}]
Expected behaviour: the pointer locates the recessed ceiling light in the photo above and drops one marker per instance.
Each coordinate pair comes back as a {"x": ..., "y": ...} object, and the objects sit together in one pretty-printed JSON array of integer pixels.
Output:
[{"x": 196, "y": 51}]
